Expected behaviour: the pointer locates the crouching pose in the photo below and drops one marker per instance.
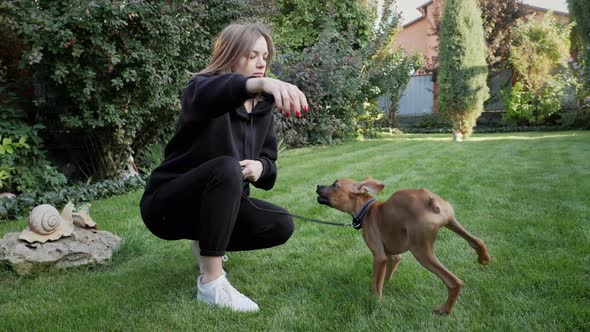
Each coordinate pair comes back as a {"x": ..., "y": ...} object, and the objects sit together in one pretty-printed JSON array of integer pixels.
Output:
[{"x": 224, "y": 141}]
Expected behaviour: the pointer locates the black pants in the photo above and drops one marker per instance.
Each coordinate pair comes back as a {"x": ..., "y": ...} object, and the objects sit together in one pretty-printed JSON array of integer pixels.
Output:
[{"x": 206, "y": 204}]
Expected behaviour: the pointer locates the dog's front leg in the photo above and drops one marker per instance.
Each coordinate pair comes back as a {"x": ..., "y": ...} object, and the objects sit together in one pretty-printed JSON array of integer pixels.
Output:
[
  {"x": 372, "y": 238},
  {"x": 392, "y": 261},
  {"x": 379, "y": 268}
]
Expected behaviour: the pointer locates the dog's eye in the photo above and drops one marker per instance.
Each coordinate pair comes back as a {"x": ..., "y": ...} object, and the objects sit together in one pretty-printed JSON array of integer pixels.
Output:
[{"x": 334, "y": 185}]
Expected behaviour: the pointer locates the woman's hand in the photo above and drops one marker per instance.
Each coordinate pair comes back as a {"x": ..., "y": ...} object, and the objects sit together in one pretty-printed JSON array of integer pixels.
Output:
[
  {"x": 251, "y": 169},
  {"x": 288, "y": 97}
]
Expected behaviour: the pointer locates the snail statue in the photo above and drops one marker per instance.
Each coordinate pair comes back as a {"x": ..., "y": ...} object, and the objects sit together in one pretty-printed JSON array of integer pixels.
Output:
[
  {"x": 47, "y": 224},
  {"x": 82, "y": 218}
]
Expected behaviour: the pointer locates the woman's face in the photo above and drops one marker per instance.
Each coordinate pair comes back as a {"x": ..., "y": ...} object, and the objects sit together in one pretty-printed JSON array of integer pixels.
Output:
[{"x": 253, "y": 64}]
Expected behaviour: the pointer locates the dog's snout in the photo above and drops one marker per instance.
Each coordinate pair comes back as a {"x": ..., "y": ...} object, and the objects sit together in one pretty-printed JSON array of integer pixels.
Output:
[{"x": 322, "y": 198}]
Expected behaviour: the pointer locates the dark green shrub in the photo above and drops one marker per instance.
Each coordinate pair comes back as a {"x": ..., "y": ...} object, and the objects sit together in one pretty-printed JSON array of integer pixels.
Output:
[
  {"x": 433, "y": 121},
  {"x": 108, "y": 74},
  {"x": 580, "y": 64},
  {"x": 150, "y": 157},
  {"x": 579, "y": 116},
  {"x": 499, "y": 129},
  {"x": 23, "y": 163},
  {"x": 328, "y": 74}
]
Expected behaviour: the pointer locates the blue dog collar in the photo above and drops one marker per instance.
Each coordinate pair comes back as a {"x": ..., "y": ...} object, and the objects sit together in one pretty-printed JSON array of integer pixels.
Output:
[{"x": 357, "y": 222}]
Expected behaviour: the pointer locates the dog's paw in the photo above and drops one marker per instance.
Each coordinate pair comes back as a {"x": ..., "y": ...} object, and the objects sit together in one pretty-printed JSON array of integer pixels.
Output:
[
  {"x": 485, "y": 261},
  {"x": 442, "y": 310}
]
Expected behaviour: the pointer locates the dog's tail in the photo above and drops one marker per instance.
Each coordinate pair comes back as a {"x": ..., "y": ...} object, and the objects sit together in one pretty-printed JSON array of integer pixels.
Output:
[{"x": 433, "y": 204}]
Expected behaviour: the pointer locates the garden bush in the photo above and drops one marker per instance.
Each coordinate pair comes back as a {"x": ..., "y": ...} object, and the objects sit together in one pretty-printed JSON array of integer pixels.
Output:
[
  {"x": 342, "y": 81},
  {"x": 580, "y": 117},
  {"x": 525, "y": 107},
  {"x": 478, "y": 129},
  {"x": 298, "y": 24},
  {"x": 108, "y": 75},
  {"x": 328, "y": 75},
  {"x": 539, "y": 56},
  {"x": 23, "y": 163},
  {"x": 579, "y": 10}
]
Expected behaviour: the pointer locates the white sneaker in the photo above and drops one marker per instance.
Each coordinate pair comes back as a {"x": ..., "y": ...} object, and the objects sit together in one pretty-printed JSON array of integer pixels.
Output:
[{"x": 221, "y": 293}]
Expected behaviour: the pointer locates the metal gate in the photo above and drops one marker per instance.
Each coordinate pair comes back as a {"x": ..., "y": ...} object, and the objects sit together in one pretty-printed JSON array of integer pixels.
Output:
[{"x": 417, "y": 98}]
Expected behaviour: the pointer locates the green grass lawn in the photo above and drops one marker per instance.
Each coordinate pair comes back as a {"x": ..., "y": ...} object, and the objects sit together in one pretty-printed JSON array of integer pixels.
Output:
[{"x": 526, "y": 195}]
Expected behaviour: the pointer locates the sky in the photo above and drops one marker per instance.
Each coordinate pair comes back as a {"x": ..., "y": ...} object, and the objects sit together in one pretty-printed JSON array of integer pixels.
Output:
[{"x": 409, "y": 12}]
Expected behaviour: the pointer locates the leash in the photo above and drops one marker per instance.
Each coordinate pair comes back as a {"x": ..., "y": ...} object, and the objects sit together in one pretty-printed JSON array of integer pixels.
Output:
[
  {"x": 300, "y": 217},
  {"x": 356, "y": 220}
]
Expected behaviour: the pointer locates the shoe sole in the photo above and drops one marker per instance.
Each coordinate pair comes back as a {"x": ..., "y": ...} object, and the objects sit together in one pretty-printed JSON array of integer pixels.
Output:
[{"x": 200, "y": 299}]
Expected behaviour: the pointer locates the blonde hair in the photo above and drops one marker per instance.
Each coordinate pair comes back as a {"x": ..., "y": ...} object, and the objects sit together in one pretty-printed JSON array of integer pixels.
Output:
[{"x": 234, "y": 42}]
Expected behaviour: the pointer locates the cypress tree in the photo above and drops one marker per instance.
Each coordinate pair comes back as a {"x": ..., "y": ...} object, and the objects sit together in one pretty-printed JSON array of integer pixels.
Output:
[
  {"x": 463, "y": 70},
  {"x": 580, "y": 13}
]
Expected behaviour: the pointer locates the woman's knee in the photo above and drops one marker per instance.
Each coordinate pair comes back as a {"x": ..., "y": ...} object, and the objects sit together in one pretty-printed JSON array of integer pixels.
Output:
[
  {"x": 284, "y": 228},
  {"x": 227, "y": 171}
]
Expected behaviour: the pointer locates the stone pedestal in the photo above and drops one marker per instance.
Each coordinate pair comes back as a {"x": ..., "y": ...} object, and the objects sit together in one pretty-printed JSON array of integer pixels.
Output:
[{"x": 83, "y": 247}]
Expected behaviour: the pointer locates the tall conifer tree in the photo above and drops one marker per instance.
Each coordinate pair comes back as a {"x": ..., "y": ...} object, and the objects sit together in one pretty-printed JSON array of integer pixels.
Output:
[
  {"x": 580, "y": 13},
  {"x": 463, "y": 70}
]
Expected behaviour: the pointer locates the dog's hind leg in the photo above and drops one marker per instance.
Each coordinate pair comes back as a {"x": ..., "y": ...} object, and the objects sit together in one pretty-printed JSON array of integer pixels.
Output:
[
  {"x": 425, "y": 256},
  {"x": 392, "y": 261},
  {"x": 475, "y": 243}
]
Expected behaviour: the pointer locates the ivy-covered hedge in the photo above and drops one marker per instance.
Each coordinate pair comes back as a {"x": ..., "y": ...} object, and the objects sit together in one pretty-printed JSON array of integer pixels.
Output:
[
  {"x": 19, "y": 206},
  {"x": 480, "y": 130}
]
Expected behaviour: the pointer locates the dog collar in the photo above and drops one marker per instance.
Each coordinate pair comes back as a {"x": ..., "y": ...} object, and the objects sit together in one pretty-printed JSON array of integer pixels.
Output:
[{"x": 357, "y": 222}]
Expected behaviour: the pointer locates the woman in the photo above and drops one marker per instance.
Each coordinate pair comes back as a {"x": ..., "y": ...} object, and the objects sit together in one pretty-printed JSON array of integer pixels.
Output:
[{"x": 224, "y": 141}]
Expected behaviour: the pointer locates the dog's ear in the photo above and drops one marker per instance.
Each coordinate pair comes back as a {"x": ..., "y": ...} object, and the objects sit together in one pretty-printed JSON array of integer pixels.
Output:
[
  {"x": 369, "y": 185},
  {"x": 359, "y": 189}
]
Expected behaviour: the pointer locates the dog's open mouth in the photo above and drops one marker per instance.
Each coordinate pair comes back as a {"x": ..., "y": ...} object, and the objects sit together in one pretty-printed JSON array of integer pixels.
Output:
[{"x": 323, "y": 200}]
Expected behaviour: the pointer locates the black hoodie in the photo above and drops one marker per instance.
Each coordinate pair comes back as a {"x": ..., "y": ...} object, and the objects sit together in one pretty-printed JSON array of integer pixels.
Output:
[{"x": 213, "y": 122}]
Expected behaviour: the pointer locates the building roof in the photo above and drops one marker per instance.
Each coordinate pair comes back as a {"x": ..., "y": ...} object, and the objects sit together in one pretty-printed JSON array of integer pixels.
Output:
[
  {"x": 541, "y": 9},
  {"x": 419, "y": 18},
  {"x": 422, "y": 10}
]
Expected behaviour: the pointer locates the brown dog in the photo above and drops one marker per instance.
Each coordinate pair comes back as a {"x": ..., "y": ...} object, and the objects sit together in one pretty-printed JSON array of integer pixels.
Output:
[{"x": 408, "y": 220}]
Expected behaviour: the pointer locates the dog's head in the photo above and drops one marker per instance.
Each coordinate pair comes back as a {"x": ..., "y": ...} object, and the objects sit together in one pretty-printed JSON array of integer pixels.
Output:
[{"x": 345, "y": 194}]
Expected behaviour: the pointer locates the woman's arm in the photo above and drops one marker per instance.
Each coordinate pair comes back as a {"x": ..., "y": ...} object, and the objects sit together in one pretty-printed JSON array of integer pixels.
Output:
[
  {"x": 288, "y": 97},
  {"x": 213, "y": 95},
  {"x": 210, "y": 96},
  {"x": 268, "y": 157}
]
